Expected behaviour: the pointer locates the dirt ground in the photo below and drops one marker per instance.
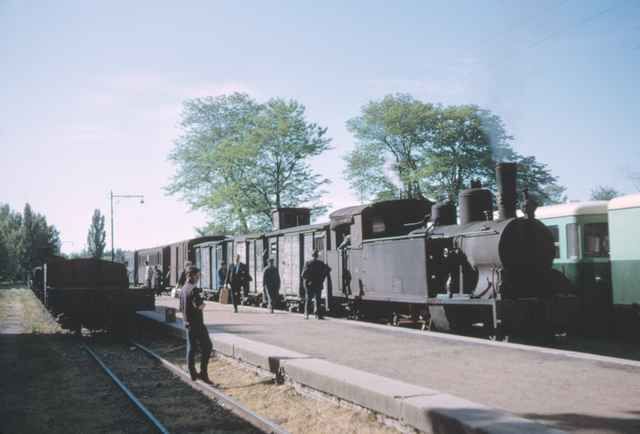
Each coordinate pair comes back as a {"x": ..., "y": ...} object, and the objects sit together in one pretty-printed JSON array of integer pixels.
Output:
[
  {"x": 297, "y": 412},
  {"x": 180, "y": 408},
  {"x": 48, "y": 383}
]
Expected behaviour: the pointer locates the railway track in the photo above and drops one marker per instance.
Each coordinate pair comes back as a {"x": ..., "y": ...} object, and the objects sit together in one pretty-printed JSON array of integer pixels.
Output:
[
  {"x": 165, "y": 395},
  {"x": 234, "y": 406},
  {"x": 135, "y": 401}
]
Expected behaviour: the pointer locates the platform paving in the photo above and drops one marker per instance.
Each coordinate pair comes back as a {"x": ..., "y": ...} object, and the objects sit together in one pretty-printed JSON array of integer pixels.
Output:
[{"x": 579, "y": 394}]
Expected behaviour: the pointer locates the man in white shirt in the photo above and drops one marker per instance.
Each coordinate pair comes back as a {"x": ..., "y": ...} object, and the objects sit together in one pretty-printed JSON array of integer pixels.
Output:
[{"x": 148, "y": 274}]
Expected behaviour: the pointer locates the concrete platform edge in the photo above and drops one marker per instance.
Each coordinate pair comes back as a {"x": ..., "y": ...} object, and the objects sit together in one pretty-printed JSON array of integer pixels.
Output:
[{"x": 424, "y": 409}]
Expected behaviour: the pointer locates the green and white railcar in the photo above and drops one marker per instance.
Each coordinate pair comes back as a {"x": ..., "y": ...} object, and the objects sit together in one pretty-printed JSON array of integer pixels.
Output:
[
  {"x": 581, "y": 234},
  {"x": 624, "y": 229}
]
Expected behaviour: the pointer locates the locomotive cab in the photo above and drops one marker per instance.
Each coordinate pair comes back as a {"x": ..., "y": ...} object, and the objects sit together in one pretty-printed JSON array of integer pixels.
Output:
[{"x": 375, "y": 261}]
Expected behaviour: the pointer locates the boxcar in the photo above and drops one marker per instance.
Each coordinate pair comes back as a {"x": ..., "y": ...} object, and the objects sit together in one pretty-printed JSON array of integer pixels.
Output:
[
  {"x": 581, "y": 236},
  {"x": 209, "y": 257},
  {"x": 155, "y": 256},
  {"x": 624, "y": 230},
  {"x": 251, "y": 250},
  {"x": 183, "y": 251},
  {"x": 291, "y": 248}
]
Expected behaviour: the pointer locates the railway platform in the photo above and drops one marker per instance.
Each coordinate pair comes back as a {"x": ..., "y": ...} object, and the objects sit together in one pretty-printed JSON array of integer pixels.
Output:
[{"x": 431, "y": 381}]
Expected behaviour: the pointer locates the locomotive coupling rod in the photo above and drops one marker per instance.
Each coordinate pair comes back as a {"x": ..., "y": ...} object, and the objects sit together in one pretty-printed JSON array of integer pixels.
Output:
[
  {"x": 156, "y": 423},
  {"x": 233, "y": 405}
]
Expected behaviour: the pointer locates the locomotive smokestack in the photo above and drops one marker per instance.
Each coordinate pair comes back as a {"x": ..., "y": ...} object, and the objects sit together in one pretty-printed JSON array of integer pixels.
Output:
[{"x": 506, "y": 182}]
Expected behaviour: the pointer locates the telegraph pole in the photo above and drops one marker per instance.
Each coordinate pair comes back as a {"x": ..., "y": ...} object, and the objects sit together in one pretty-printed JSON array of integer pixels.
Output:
[{"x": 113, "y": 252}]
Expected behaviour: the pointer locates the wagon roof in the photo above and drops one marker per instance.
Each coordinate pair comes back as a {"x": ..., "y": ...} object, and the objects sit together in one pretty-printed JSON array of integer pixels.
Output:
[
  {"x": 628, "y": 201},
  {"x": 303, "y": 228},
  {"x": 592, "y": 207},
  {"x": 209, "y": 240},
  {"x": 345, "y": 215}
]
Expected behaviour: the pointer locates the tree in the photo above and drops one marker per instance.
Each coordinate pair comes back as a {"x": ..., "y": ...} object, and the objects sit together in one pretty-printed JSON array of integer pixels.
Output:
[
  {"x": 96, "y": 236},
  {"x": 39, "y": 240},
  {"x": 466, "y": 143},
  {"x": 28, "y": 237},
  {"x": 25, "y": 241},
  {"x": 390, "y": 136},
  {"x": 435, "y": 151},
  {"x": 555, "y": 194},
  {"x": 535, "y": 177},
  {"x": 239, "y": 160},
  {"x": 604, "y": 192},
  {"x": 11, "y": 246}
]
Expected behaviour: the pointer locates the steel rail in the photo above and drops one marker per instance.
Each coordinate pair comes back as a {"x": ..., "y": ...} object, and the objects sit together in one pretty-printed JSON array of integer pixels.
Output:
[
  {"x": 139, "y": 405},
  {"x": 233, "y": 405}
]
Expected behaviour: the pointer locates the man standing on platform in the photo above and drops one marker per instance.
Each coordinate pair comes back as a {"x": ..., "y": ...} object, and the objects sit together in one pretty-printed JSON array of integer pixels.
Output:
[
  {"x": 313, "y": 277},
  {"x": 148, "y": 274},
  {"x": 192, "y": 305},
  {"x": 237, "y": 277},
  {"x": 271, "y": 283}
]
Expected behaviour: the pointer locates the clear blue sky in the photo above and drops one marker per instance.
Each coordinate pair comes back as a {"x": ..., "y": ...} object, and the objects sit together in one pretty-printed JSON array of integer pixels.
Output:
[{"x": 91, "y": 93}]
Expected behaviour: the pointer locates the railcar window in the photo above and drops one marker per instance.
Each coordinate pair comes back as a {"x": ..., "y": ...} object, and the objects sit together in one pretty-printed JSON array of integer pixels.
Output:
[
  {"x": 573, "y": 249},
  {"x": 318, "y": 244},
  {"x": 596, "y": 240},
  {"x": 556, "y": 239},
  {"x": 377, "y": 225}
]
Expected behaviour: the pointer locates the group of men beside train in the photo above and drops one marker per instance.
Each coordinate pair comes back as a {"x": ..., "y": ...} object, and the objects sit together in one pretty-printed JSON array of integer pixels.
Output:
[
  {"x": 236, "y": 277},
  {"x": 153, "y": 277}
]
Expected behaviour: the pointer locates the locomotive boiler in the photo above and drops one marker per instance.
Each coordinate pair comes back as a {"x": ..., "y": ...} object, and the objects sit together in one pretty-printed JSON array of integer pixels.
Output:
[{"x": 494, "y": 273}]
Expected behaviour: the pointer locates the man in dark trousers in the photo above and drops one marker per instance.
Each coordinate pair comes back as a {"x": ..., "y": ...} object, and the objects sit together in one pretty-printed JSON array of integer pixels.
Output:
[
  {"x": 192, "y": 305},
  {"x": 271, "y": 283},
  {"x": 313, "y": 277},
  {"x": 222, "y": 275},
  {"x": 237, "y": 277}
]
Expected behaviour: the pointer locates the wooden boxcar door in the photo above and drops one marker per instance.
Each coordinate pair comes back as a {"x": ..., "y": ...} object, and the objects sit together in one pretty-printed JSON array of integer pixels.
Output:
[
  {"x": 307, "y": 255},
  {"x": 290, "y": 250},
  {"x": 251, "y": 263},
  {"x": 319, "y": 244},
  {"x": 260, "y": 264},
  {"x": 197, "y": 259},
  {"x": 205, "y": 260},
  {"x": 176, "y": 266},
  {"x": 240, "y": 248},
  {"x": 217, "y": 259}
]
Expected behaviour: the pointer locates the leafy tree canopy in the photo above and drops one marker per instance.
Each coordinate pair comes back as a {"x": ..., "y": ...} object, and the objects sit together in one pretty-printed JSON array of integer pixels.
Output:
[
  {"x": 408, "y": 148},
  {"x": 25, "y": 241},
  {"x": 604, "y": 192},
  {"x": 96, "y": 236},
  {"x": 239, "y": 159}
]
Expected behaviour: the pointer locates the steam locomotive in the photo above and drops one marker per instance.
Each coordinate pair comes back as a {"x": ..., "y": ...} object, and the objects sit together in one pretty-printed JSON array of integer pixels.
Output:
[{"x": 409, "y": 257}]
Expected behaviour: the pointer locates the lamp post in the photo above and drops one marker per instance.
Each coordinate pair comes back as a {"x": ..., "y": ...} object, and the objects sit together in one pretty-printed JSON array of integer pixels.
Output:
[{"x": 120, "y": 196}]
